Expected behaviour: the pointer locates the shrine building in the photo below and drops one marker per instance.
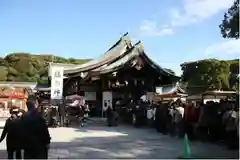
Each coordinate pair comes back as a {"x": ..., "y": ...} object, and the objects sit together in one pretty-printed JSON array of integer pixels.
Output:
[{"x": 124, "y": 71}]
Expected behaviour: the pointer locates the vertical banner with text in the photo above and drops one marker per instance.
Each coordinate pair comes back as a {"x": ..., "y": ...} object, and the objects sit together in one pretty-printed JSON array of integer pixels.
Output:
[
  {"x": 56, "y": 82},
  {"x": 106, "y": 101}
]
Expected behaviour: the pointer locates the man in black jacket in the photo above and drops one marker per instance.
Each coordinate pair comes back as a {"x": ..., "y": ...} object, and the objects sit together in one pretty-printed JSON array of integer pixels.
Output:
[
  {"x": 13, "y": 131},
  {"x": 36, "y": 134}
]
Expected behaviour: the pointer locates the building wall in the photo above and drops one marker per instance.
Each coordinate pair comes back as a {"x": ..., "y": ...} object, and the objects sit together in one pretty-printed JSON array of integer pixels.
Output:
[
  {"x": 31, "y": 85},
  {"x": 204, "y": 98},
  {"x": 90, "y": 96},
  {"x": 7, "y": 101}
]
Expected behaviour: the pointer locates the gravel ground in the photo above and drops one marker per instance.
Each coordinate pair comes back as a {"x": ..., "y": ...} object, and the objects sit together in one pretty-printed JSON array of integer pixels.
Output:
[{"x": 99, "y": 141}]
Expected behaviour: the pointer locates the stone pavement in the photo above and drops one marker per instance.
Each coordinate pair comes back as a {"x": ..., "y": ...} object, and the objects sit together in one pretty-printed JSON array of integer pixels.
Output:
[
  {"x": 2, "y": 121},
  {"x": 99, "y": 141}
]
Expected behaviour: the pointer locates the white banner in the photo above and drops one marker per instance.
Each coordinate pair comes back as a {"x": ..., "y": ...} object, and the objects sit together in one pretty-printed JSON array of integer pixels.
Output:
[
  {"x": 56, "y": 82},
  {"x": 107, "y": 101}
]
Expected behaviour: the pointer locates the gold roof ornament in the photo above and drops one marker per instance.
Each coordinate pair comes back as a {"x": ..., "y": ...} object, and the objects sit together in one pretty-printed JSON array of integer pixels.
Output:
[
  {"x": 140, "y": 46},
  {"x": 127, "y": 40},
  {"x": 129, "y": 43}
]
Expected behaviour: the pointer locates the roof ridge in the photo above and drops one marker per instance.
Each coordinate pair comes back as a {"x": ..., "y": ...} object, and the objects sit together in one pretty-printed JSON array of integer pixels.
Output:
[
  {"x": 123, "y": 37},
  {"x": 140, "y": 46},
  {"x": 123, "y": 40}
]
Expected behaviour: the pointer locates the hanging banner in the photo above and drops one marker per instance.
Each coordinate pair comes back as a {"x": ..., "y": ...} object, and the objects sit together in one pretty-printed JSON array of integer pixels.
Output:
[
  {"x": 56, "y": 82},
  {"x": 106, "y": 101}
]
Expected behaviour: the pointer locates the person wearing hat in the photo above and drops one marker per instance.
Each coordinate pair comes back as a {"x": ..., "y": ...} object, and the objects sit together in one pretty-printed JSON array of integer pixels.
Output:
[
  {"x": 36, "y": 134},
  {"x": 13, "y": 131}
]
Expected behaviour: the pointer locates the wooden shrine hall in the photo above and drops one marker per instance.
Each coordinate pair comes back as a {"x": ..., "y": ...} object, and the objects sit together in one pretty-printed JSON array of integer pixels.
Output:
[{"x": 124, "y": 71}]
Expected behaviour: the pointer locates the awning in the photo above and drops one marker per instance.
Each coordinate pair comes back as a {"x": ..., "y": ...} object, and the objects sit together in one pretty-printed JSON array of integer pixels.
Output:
[{"x": 220, "y": 93}]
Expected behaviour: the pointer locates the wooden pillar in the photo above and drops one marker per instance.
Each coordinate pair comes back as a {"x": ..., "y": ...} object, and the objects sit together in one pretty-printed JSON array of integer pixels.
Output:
[
  {"x": 65, "y": 86},
  {"x": 78, "y": 85},
  {"x": 49, "y": 82}
]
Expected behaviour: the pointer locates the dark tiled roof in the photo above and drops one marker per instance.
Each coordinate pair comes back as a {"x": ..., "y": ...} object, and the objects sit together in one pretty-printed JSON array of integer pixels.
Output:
[
  {"x": 136, "y": 50},
  {"x": 117, "y": 57},
  {"x": 114, "y": 52},
  {"x": 127, "y": 56}
]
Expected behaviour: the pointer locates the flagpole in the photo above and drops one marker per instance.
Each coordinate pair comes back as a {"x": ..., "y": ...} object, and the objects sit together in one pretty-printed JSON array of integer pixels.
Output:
[{"x": 51, "y": 79}]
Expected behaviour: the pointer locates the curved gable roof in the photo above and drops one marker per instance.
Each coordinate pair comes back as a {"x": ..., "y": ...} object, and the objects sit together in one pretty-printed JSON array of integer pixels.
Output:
[
  {"x": 119, "y": 63},
  {"x": 136, "y": 50},
  {"x": 114, "y": 52}
]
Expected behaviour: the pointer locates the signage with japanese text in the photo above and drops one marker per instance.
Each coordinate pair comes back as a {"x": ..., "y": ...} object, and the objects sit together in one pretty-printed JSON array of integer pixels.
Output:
[{"x": 56, "y": 82}]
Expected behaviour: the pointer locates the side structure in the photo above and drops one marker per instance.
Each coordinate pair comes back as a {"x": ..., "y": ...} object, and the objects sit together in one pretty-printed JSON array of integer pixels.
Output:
[{"x": 170, "y": 92}]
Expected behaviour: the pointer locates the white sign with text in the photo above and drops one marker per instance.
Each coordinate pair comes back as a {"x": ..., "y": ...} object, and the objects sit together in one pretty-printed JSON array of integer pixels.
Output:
[
  {"x": 56, "y": 82},
  {"x": 107, "y": 101}
]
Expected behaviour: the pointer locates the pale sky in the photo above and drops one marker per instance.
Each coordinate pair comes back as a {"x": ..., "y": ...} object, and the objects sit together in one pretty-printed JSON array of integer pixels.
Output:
[{"x": 172, "y": 31}]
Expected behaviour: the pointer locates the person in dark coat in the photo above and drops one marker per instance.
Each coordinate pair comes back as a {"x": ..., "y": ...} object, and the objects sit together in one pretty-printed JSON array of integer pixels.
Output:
[
  {"x": 36, "y": 134},
  {"x": 142, "y": 113},
  {"x": 114, "y": 117},
  {"x": 161, "y": 118},
  {"x": 109, "y": 114},
  {"x": 158, "y": 117},
  {"x": 12, "y": 130},
  {"x": 214, "y": 123},
  {"x": 167, "y": 119},
  {"x": 188, "y": 120}
]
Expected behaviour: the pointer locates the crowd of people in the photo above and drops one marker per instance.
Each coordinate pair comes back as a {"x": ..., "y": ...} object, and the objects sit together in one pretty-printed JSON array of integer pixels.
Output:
[
  {"x": 213, "y": 121},
  {"x": 64, "y": 113},
  {"x": 26, "y": 131}
]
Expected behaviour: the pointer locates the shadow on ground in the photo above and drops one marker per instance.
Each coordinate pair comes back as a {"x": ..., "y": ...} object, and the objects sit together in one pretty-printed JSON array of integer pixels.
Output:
[
  {"x": 97, "y": 142},
  {"x": 129, "y": 142}
]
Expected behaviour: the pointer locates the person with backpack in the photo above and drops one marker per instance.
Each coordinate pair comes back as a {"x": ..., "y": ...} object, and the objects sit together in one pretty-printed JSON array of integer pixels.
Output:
[
  {"x": 13, "y": 131},
  {"x": 36, "y": 134}
]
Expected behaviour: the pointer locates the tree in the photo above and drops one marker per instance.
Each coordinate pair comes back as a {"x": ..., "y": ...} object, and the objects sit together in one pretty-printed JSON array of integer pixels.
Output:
[
  {"x": 12, "y": 71},
  {"x": 206, "y": 74},
  {"x": 3, "y": 62},
  {"x": 234, "y": 74},
  {"x": 3, "y": 73},
  {"x": 230, "y": 24},
  {"x": 29, "y": 67}
]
